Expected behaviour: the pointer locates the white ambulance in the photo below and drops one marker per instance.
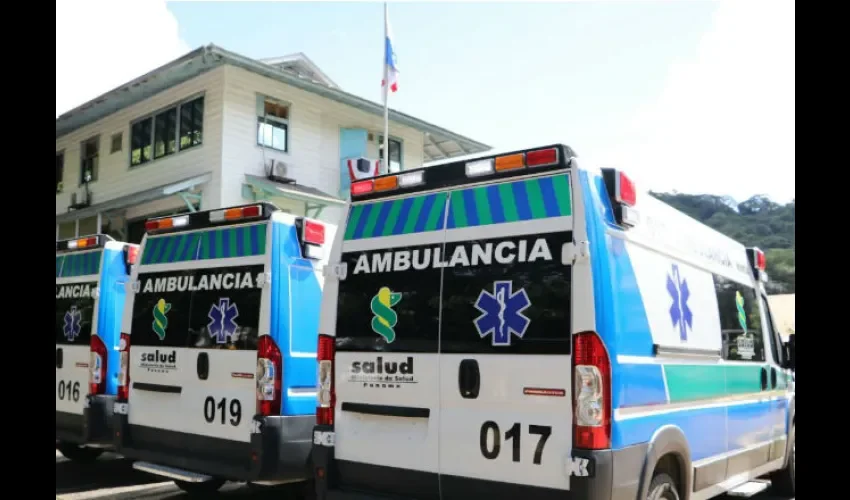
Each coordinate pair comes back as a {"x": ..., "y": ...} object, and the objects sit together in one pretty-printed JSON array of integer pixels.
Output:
[{"x": 517, "y": 326}]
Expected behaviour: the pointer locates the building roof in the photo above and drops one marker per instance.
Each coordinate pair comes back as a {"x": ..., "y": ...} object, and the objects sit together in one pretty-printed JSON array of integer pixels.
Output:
[
  {"x": 439, "y": 142},
  {"x": 302, "y": 66}
]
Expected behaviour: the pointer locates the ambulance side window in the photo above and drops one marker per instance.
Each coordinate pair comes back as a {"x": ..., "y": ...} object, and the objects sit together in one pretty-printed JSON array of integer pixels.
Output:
[
  {"x": 770, "y": 329},
  {"x": 740, "y": 321}
]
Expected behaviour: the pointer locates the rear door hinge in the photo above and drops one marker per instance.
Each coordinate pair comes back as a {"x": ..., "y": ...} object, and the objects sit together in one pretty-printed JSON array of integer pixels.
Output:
[
  {"x": 572, "y": 253},
  {"x": 264, "y": 279},
  {"x": 338, "y": 271}
]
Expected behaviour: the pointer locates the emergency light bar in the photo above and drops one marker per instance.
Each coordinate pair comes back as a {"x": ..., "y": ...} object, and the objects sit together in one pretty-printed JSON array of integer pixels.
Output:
[
  {"x": 484, "y": 169},
  {"x": 209, "y": 218},
  {"x": 84, "y": 243}
]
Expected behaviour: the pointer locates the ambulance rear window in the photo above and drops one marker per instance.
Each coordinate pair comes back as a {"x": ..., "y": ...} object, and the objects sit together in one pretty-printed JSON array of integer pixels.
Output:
[
  {"x": 74, "y": 313},
  {"x": 214, "y": 308},
  {"x": 412, "y": 299}
]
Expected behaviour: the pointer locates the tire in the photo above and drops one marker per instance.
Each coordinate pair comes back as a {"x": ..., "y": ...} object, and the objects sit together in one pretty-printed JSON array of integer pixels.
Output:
[
  {"x": 200, "y": 489},
  {"x": 77, "y": 453},
  {"x": 784, "y": 481},
  {"x": 662, "y": 487}
]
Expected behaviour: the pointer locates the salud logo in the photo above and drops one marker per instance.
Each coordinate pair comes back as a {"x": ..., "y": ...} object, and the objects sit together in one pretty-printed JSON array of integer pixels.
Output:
[
  {"x": 71, "y": 328},
  {"x": 222, "y": 323},
  {"x": 160, "y": 320},
  {"x": 501, "y": 313},
  {"x": 680, "y": 312},
  {"x": 385, "y": 319}
]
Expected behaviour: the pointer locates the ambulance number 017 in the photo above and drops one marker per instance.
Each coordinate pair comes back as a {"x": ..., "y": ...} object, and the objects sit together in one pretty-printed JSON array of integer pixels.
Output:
[{"x": 491, "y": 440}]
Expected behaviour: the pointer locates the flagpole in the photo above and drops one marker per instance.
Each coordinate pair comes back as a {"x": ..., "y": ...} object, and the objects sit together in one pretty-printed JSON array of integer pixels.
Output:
[{"x": 385, "y": 164}]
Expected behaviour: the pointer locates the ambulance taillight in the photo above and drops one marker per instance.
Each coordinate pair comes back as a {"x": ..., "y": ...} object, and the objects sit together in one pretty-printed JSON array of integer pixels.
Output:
[
  {"x": 591, "y": 392},
  {"x": 97, "y": 366},
  {"x": 269, "y": 382},
  {"x": 758, "y": 263},
  {"x": 131, "y": 254},
  {"x": 326, "y": 394},
  {"x": 623, "y": 195},
  {"x": 124, "y": 368},
  {"x": 312, "y": 236}
]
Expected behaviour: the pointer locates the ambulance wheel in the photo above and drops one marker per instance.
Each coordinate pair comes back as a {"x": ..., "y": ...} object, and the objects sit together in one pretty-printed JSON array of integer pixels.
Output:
[
  {"x": 201, "y": 489},
  {"x": 662, "y": 487},
  {"x": 78, "y": 453},
  {"x": 784, "y": 482},
  {"x": 305, "y": 490}
]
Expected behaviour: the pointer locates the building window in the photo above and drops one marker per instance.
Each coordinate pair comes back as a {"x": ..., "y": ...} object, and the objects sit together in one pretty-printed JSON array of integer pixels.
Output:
[
  {"x": 272, "y": 123},
  {"x": 88, "y": 160},
  {"x": 395, "y": 153},
  {"x": 117, "y": 143},
  {"x": 165, "y": 133},
  {"x": 168, "y": 131},
  {"x": 141, "y": 140},
  {"x": 67, "y": 230},
  {"x": 87, "y": 226},
  {"x": 60, "y": 170},
  {"x": 192, "y": 123}
]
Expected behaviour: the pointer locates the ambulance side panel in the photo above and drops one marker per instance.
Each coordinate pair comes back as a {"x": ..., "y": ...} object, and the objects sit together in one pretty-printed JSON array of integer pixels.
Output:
[
  {"x": 296, "y": 294},
  {"x": 112, "y": 295},
  {"x": 665, "y": 290}
]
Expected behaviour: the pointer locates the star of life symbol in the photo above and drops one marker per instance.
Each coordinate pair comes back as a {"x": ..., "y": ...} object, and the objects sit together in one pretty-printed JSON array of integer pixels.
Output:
[
  {"x": 71, "y": 328},
  {"x": 222, "y": 323},
  {"x": 501, "y": 313},
  {"x": 680, "y": 312}
]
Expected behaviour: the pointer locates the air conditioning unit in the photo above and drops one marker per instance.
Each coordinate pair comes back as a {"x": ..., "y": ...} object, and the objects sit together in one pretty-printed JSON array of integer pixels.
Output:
[{"x": 277, "y": 171}]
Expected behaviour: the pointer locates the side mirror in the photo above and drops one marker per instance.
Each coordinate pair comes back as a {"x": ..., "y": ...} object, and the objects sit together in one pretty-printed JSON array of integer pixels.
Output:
[{"x": 790, "y": 350}]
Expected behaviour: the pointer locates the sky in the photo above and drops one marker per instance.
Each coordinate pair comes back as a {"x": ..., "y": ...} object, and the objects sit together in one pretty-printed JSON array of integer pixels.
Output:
[{"x": 693, "y": 96}]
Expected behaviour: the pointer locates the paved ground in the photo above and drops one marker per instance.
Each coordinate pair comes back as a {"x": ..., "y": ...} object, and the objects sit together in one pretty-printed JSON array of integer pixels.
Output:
[{"x": 113, "y": 478}]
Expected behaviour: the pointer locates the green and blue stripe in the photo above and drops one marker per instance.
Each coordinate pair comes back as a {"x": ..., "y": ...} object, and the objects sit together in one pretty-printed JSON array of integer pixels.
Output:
[
  {"x": 517, "y": 201},
  {"x": 244, "y": 241},
  {"x": 78, "y": 264}
]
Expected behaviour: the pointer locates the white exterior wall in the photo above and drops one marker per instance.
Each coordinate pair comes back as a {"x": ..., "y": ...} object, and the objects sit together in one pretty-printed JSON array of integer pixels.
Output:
[
  {"x": 116, "y": 178},
  {"x": 314, "y": 123}
]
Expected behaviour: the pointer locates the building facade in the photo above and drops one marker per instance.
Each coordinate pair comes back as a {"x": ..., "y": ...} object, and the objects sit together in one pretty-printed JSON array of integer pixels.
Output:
[{"x": 215, "y": 129}]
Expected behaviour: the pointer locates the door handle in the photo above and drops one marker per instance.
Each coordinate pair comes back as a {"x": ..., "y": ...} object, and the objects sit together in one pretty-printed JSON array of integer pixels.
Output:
[
  {"x": 203, "y": 366},
  {"x": 59, "y": 357},
  {"x": 469, "y": 379},
  {"x": 773, "y": 378},
  {"x": 763, "y": 378}
]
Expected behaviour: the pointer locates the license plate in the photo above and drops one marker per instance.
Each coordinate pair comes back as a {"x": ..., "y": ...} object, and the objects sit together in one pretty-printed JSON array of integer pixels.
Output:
[
  {"x": 120, "y": 408},
  {"x": 323, "y": 438}
]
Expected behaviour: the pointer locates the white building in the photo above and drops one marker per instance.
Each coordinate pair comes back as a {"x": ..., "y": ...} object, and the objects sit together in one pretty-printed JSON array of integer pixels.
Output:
[{"x": 214, "y": 128}]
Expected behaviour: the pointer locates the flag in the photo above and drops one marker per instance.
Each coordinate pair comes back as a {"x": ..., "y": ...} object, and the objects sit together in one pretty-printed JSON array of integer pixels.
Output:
[{"x": 390, "y": 61}]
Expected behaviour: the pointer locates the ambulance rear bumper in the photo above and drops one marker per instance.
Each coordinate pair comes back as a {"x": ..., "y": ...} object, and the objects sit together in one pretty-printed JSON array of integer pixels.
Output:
[
  {"x": 279, "y": 449},
  {"x": 93, "y": 428},
  {"x": 594, "y": 475}
]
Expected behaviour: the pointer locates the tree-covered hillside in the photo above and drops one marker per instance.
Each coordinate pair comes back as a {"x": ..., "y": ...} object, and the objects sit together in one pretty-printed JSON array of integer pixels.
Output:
[{"x": 757, "y": 221}]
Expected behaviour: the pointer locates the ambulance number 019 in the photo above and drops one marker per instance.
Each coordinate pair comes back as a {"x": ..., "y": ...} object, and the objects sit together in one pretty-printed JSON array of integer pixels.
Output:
[{"x": 222, "y": 409}]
